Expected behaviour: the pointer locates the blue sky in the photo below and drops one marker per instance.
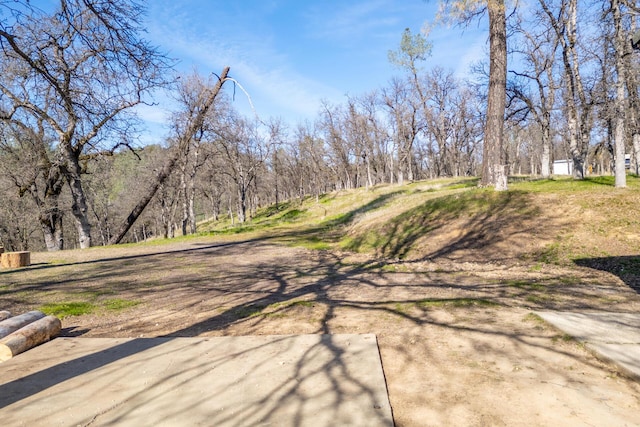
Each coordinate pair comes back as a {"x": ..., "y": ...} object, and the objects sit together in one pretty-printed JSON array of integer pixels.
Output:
[{"x": 291, "y": 54}]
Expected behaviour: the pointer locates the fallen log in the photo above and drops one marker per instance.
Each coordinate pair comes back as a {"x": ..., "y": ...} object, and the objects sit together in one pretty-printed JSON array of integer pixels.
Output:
[
  {"x": 4, "y": 315},
  {"x": 12, "y": 324},
  {"x": 15, "y": 259},
  {"x": 36, "y": 333}
]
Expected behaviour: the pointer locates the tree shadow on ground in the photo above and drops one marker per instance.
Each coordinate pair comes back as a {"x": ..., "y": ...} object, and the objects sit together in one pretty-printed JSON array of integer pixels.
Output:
[
  {"x": 210, "y": 289},
  {"x": 473, "y": 225},
  {"x": 98, "y": 259},
  {"x": 627, "y": 268}
]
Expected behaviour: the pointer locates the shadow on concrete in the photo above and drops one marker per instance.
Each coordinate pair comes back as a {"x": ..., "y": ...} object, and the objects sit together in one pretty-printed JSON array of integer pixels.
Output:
[{"x": 304, "y": 380}]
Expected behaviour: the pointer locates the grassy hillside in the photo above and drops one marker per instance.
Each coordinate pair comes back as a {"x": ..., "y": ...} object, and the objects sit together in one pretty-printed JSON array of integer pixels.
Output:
[{"x": 537, "y": 221}]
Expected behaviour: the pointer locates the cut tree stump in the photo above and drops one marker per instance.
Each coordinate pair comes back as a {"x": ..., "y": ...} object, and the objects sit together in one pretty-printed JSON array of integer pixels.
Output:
[
  {"x": 12, "y": 324},
  {"x": 15, "y": 259},
  {"x": 4, "y": 315},
  {"x": 36, "y": 333}
]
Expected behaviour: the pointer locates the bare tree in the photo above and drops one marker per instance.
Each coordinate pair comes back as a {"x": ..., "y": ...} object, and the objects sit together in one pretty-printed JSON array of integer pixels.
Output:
[
  {"x": 28, "y": 166},
  {"x": 77, "y": 71},
  {"x": 621, "y": 47},
  {"x": 564, "y": 21},
  {"x": 631, "y": 67},
  {"x": 535, "y": 86},
  {"x": 405, "y": 122},
  {"x": 243, "y": 149},
  {"x": 198, "y": 108},
  {"x": 307, "y": 166}
]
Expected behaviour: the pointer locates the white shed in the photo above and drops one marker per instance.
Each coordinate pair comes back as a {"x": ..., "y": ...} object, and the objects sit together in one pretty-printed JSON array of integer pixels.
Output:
[{"x": 563, "y": 167}]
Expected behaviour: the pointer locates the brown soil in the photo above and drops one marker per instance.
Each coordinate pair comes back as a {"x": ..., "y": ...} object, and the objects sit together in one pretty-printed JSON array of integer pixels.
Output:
[{"x": 458, "y": 340}]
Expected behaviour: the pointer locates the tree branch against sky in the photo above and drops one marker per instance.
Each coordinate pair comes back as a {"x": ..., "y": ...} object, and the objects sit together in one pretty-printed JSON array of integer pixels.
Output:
[{"x": 77, "y": 69}]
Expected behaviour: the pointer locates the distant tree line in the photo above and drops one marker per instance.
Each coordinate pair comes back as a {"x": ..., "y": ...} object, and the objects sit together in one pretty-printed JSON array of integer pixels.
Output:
[{"x": 71, "y": 174}]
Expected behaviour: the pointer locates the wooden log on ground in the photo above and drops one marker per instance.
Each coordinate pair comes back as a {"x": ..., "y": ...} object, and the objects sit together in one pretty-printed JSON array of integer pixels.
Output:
[
  {"x": 33, "y": 334},
  {"x": 12, "y": 324},
  {"x": 15, "y": 259},
  {"x": 4, "y": 314}
]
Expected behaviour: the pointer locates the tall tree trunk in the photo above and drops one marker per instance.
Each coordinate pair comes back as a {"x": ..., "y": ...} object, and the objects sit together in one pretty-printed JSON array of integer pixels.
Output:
[
  {"x": 51, "y": 223},
  {"x": 242, "y": 204},
  {"x": 545, "y": 160},
  {"x": 493, "y": 169},
  {"x": 50, "y": 216},
  {"x": 583, "y": 127},
  {"x": 369, "y": 178},
  {"x": 166, "y": 170},
  {"x": 620, "y": 101},
  {"x": 275, "y": 172},
  {"x": 192, "y": 211},
  {"x": 633, "y": 109},
  {"x": 410, "y": 176},
  {"x": 79, "y": 206},
  {"x": 189, "y": 176}
]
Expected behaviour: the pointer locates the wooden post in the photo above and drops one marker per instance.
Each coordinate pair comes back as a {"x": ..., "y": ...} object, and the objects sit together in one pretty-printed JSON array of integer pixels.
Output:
[
  {"x": 25, "y": 338},
  {"x": 14, "y": 323},
  {"x": 15, "y": 259}
]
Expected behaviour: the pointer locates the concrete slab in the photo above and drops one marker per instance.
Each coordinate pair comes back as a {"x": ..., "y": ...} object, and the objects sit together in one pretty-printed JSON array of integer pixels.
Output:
[
  {"x": 612, "y": 336},
  {"x": 302, "y": 380}
]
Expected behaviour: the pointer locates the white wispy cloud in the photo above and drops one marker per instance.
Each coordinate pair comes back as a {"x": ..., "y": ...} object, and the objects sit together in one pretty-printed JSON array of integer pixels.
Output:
[
  {"x": 350, "y": 21},
  {"x": 268, "y": 75}
]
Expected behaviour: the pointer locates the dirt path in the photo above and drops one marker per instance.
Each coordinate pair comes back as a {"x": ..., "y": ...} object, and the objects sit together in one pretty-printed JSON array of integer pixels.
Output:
[{"x": 459, "y": 342}]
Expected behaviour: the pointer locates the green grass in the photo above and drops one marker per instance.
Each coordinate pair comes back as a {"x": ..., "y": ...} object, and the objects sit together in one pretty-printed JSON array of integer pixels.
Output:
[
  {"x": 247, "y": 311},
  {"x": 79, "y": 308},
  {"x": 287, "y": 304},
  {"x": 563, "y": 338},
  {"x": 311, "y": 242},
  {"x": 66, "y": 309},
  {"x": 532, "y": 317},
  {"x": 119, "y": 304},
  {"x": 276, "y": 309},
  {"x": 539, "y": 299},
  {"x": 550, "y": 254},
  {"x": 526, "y": 284},
  {"x": 456, "y": 302},
  {"x": 568, "y": 184}
]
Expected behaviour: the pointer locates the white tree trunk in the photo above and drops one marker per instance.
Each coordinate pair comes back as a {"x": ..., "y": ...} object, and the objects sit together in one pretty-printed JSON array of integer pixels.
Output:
[
  {"x": 636, "y": 154},
  {"x": 619, "y": 136}
]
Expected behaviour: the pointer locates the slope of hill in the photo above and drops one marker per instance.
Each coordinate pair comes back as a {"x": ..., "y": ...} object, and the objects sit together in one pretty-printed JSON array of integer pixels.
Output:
[{"x": 542, "y": 221}]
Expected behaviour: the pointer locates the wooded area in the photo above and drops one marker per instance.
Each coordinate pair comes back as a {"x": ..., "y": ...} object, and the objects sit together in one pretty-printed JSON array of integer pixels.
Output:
[{"x": 71, "y": 174}]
